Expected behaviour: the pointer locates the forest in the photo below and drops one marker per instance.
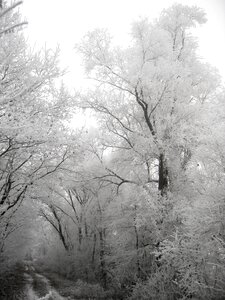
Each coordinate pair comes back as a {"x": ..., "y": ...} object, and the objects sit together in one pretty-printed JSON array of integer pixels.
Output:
[{"x": 133, "y": 207}]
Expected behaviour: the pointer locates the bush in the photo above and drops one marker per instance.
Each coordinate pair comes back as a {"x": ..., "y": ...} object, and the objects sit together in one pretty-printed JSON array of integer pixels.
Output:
[
  {"x": 160, "y": 285},
  {"x": 12, "y": 281}
]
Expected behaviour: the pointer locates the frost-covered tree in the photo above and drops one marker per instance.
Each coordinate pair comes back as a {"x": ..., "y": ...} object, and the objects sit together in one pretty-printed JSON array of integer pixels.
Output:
[
  {"x": 154, "y": 102},
  {"x": 149, "y": 93},
  {"x": 33, "y": 141}
]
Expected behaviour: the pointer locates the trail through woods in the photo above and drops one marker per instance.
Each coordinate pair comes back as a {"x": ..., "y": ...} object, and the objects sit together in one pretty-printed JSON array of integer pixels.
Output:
[{"x": 39, "y": 287}]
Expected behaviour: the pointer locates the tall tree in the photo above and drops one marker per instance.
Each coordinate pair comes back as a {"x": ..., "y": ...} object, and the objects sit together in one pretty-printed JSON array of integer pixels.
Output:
[
  {"x": 154, "y": 102},
  {"x": 148, "y": 94}
]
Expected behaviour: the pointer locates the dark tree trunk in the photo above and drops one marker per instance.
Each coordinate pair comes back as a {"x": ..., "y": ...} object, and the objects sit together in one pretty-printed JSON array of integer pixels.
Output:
[
  {"x": 80, "y": 236},
  {"x": 59, "y": 229},
  {"x": 137, "y": 250},
  {"x": 62, "y": 237},
  {"x": 102, "y": 258},
  {"x": 163, "y": 175},
  {"x": 85, "y": 229},
  {"x": 94, "y": 247}
]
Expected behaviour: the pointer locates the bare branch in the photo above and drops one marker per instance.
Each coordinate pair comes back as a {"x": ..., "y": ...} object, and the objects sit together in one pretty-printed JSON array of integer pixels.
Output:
[
  {"x": 4, "y": 12},
  {"x": 11, "y": 28},
  {"x": 19, "y": 197},
  {"x": 56, "y": 167}
]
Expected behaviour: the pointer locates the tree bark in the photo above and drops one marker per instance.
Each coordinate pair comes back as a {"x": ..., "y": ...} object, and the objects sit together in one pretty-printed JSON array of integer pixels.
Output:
[
  {"x": 137, "y": 249},
  {"x": 93, "y": 250},
  {"x": 80, "y": 236},
  {"x": 163, "y": 175},
  {"x": 58, "y": 228},
  {"x": 102, "y": 258}
]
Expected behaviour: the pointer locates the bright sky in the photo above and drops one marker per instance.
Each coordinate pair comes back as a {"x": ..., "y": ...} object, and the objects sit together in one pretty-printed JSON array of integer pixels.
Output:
[{"x": 65, "y": 22}]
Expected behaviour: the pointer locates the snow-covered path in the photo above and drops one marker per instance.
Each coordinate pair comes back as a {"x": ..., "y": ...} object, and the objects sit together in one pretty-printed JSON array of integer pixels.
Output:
[{"x": 44, "y": 287}]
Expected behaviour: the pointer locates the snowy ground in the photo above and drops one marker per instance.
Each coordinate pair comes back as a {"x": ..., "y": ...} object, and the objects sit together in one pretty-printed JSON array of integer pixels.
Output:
[
  {"x": 39, "y": 288},
  {"x": 26, "y": 282}
]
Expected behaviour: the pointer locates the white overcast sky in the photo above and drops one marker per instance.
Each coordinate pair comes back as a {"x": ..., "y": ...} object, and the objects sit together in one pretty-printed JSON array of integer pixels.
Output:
[{"x": 65, "y": 22}]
